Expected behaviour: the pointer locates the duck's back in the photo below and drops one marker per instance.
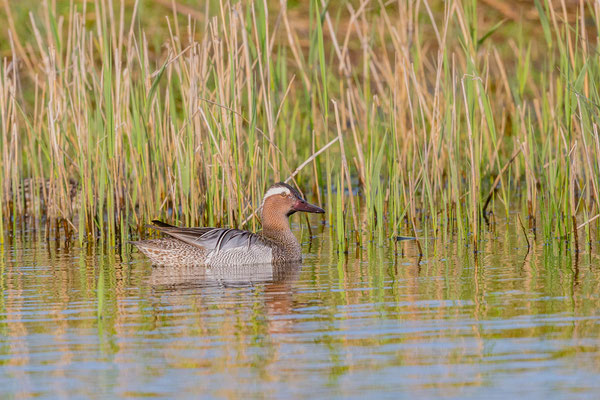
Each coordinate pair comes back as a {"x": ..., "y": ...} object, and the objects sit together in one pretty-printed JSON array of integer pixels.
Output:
[{"x": 208, "y": 247}]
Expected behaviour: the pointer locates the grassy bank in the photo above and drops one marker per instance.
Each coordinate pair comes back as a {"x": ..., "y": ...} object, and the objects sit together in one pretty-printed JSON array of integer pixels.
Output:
[{"x": 398, "y": 117}]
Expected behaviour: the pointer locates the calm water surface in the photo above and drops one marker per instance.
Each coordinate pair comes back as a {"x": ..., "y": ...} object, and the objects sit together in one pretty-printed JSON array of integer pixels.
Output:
[{"x": 379, "y": 321}]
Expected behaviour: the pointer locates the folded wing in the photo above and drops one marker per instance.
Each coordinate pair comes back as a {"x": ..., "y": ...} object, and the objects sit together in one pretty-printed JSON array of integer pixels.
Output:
[{"x": 210, "y": 239}]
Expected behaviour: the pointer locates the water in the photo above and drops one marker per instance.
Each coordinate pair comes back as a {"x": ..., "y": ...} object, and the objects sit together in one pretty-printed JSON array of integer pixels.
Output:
[{"x": 380, "y": 321}]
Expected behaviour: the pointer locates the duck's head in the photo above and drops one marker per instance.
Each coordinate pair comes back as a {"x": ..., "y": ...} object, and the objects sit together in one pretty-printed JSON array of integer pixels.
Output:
[{"x": 282, "y": 200}]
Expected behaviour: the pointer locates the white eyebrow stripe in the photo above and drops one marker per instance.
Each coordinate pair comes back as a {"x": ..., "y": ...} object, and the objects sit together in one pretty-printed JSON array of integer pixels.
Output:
[{"x": 276, "y": 190}]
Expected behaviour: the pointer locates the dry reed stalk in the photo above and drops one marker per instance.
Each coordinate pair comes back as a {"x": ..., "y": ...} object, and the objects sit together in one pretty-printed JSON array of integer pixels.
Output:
[{"x": 346, "y": 170}]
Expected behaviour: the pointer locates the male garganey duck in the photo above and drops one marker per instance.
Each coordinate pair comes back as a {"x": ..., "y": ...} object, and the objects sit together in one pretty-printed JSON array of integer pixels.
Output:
[{"x": 221, "y": 246}]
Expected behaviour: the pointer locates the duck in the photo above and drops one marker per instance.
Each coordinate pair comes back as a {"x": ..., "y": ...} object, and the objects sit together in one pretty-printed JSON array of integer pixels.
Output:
[{"x": 219, "y": 247}]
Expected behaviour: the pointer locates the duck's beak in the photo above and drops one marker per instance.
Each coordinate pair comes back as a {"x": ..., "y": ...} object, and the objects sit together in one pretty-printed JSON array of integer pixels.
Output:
[{"x": 302, "y": 205}]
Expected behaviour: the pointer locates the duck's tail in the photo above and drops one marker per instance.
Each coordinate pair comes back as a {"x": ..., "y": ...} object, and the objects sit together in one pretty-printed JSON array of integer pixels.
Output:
[
  {"x": 161, "y": 224},
  {"x": 143, "y": 245}
]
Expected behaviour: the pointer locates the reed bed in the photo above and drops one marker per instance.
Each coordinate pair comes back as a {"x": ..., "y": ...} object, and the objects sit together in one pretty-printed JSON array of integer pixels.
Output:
[{"x": 402, "y": 118}]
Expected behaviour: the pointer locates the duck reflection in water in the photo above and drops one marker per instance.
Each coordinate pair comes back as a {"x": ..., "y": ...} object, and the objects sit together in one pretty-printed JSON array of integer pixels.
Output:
[{"x": 275, "y": 283}]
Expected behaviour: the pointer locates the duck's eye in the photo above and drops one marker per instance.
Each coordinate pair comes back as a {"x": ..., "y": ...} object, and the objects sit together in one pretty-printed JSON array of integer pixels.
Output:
[{"x": 283, "y": 194}]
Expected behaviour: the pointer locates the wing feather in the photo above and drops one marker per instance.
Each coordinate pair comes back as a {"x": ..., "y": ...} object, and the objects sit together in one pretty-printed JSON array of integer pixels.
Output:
[{"x": 217, "y": 239}]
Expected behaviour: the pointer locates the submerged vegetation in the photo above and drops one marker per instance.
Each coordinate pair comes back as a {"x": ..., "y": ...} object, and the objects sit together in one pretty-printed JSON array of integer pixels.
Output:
[{"x": 400, "y": 117}]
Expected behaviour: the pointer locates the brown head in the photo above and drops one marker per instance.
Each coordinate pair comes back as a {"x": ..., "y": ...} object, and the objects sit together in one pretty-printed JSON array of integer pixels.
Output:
[{"x": 281, "y": 201}]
